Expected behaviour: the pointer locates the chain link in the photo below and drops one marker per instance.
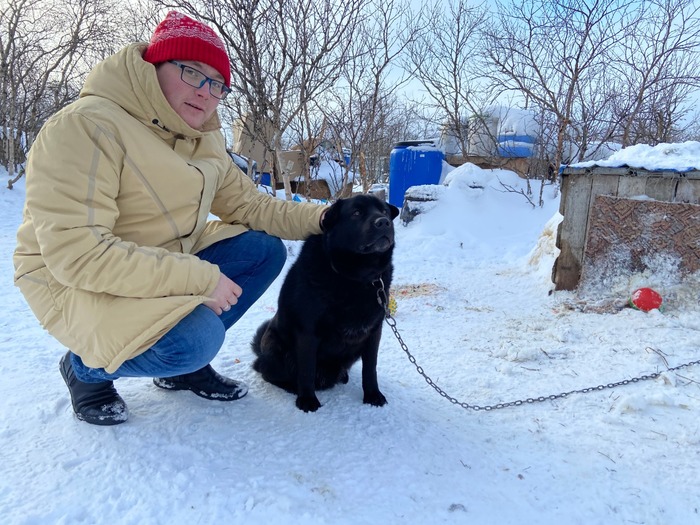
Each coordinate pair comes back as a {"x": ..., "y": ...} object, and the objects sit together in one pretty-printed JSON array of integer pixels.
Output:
[{"x": 381, "y": 298}]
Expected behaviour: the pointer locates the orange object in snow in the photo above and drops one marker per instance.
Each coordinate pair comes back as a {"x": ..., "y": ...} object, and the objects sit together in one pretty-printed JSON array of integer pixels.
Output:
[{"x": 646, "y": 299}]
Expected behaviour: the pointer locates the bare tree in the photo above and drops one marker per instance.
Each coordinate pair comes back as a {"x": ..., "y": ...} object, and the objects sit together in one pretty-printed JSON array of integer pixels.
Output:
[
  {"x": 304, "y": 136},
  {"x": 658, "y": 67},
  {"x": 444, "y": 59},
  {"x": 137, "y": 19},
  {"x": 593, "y": 124},
  {"x": 691, "y": 129},
  {"x": 46, "y": 49},
  {"x": 551, "y": 52},
  {"x": 359, "y": 107},
  {"x": 283, "y": 54}
]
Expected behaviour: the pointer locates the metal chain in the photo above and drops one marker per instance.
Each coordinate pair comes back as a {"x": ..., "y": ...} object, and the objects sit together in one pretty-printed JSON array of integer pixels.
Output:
[{"x": 382, "y": 299}]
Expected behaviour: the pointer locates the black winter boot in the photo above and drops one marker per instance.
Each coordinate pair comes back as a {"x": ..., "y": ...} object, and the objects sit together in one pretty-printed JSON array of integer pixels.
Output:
[
  {"x": 206, "y": 383},
  {"x": 95, "y": 403}
]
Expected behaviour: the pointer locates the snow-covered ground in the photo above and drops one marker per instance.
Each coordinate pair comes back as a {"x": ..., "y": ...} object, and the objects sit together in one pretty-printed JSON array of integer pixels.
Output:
[{"x": 475, "y": 307}]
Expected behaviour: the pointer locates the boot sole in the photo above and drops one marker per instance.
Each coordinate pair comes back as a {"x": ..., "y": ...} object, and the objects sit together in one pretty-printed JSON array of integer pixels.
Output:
[{"x": 167, "y": 385}]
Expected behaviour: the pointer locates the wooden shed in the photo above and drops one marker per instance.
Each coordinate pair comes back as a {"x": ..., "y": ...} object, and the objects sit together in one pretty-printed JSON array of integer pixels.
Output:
[{"x": 643, "y": 210}]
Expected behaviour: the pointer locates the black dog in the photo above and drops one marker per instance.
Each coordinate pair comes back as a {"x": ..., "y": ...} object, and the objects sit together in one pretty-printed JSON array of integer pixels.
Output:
[{"x": 328, "y": 313}]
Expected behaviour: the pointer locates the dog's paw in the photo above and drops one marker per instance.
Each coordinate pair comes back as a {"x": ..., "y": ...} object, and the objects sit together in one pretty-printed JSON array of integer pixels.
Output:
[
  {"x": 376, "y": 399},
  {"x": 343, "y": 377},
  {"x": 308, "y": 403}
]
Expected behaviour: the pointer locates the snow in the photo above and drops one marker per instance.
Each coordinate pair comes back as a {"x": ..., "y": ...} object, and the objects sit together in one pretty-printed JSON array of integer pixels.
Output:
[
  {"x": 423, "y": 148},
  {"x": 513, "y": 121},
  {"x": 681, "y": 157},
  {"x": 477, "y": 310},
  {"x": 334, "y": 173}
]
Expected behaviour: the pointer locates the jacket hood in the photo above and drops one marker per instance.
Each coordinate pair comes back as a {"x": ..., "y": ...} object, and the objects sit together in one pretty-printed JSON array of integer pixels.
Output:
[{"x": 131, "y": 82}]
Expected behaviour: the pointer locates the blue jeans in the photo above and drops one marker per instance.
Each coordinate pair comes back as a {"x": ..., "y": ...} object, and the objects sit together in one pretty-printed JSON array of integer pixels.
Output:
[{"x": 252, "y": 260}]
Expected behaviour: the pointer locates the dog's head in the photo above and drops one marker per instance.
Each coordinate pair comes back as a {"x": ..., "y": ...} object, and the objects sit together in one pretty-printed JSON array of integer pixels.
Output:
[{"x": 360, "y": 224}]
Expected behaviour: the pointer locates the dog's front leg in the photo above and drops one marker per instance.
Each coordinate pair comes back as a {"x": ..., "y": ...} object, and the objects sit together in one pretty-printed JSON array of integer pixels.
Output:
[
  {"x": 306, "y": 373},
  {"x": 370, "y": 386}
]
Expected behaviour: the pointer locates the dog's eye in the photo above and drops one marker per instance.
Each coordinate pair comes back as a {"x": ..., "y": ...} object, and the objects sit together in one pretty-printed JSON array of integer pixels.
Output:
[{"x": 356, "y": 213}]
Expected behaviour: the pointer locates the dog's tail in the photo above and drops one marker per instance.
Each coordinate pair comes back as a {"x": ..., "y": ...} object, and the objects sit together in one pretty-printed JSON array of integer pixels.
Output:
[
  {"x": 256, "y": 343},
  {"x": 271, "y": 362}
]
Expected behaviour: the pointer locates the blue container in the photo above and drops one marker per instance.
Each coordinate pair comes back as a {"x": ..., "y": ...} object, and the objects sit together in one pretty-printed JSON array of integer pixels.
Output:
[
  {"x": 514, "y": 150},
  {"x": 512, "y": 137},
  {"x": 413, "y": 163},
  {"x": 265, "y": 179},
  {"x": 511, "y": 145}
]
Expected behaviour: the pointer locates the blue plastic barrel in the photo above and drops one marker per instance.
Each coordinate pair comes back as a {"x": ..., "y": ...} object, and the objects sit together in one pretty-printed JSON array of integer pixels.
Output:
[
  {"x": 413, "y": 163},
  {"x": 265, "y": 179}
]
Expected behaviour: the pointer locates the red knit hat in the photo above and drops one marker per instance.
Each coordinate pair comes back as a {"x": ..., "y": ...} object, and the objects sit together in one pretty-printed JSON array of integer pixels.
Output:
[{"x": 178, "y": 37}]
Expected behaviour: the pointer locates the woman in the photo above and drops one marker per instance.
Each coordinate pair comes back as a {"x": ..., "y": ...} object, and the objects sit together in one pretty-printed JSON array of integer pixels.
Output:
[{"x": 115, "y": 254}]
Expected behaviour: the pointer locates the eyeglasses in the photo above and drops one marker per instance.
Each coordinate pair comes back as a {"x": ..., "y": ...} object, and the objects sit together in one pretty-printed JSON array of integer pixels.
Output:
[{"x": 195, "y": 78}]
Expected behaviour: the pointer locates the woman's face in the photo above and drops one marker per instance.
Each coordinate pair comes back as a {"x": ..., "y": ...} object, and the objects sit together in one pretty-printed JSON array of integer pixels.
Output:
[{"x": 194, "y": 105}]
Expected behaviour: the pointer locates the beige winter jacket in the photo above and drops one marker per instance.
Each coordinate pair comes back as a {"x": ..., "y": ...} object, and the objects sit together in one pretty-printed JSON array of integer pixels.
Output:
[{"x": 117, "y": 204}]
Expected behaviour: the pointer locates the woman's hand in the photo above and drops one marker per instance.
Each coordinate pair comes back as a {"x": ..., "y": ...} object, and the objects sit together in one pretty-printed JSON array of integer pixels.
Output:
[{"x": 225, "y": 295}]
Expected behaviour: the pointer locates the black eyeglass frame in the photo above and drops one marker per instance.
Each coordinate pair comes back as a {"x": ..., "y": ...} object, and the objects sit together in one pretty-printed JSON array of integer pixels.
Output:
[{"x": 225, "y": 90}]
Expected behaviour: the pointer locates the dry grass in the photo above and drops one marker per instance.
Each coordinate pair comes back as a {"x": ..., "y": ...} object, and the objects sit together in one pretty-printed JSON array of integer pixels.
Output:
[{"x": 416, "y": 290}]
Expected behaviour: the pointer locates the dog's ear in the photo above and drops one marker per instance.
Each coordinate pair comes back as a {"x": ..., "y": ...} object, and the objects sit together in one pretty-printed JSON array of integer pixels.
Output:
[
  {"x": 393, "y": 210},
  {"x": 331, "y": 216}
]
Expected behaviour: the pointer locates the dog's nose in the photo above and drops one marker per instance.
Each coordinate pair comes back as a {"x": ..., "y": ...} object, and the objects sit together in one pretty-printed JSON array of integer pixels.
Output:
[{"x": 382, "y": 222}]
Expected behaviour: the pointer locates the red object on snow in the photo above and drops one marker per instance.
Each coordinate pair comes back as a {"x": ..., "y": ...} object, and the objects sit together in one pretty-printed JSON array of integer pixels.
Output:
[{"x": 646, "y": 299}]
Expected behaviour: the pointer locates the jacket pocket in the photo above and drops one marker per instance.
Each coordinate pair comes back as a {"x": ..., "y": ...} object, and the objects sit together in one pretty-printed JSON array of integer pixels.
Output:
[{"x": 44, "y": 295}]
